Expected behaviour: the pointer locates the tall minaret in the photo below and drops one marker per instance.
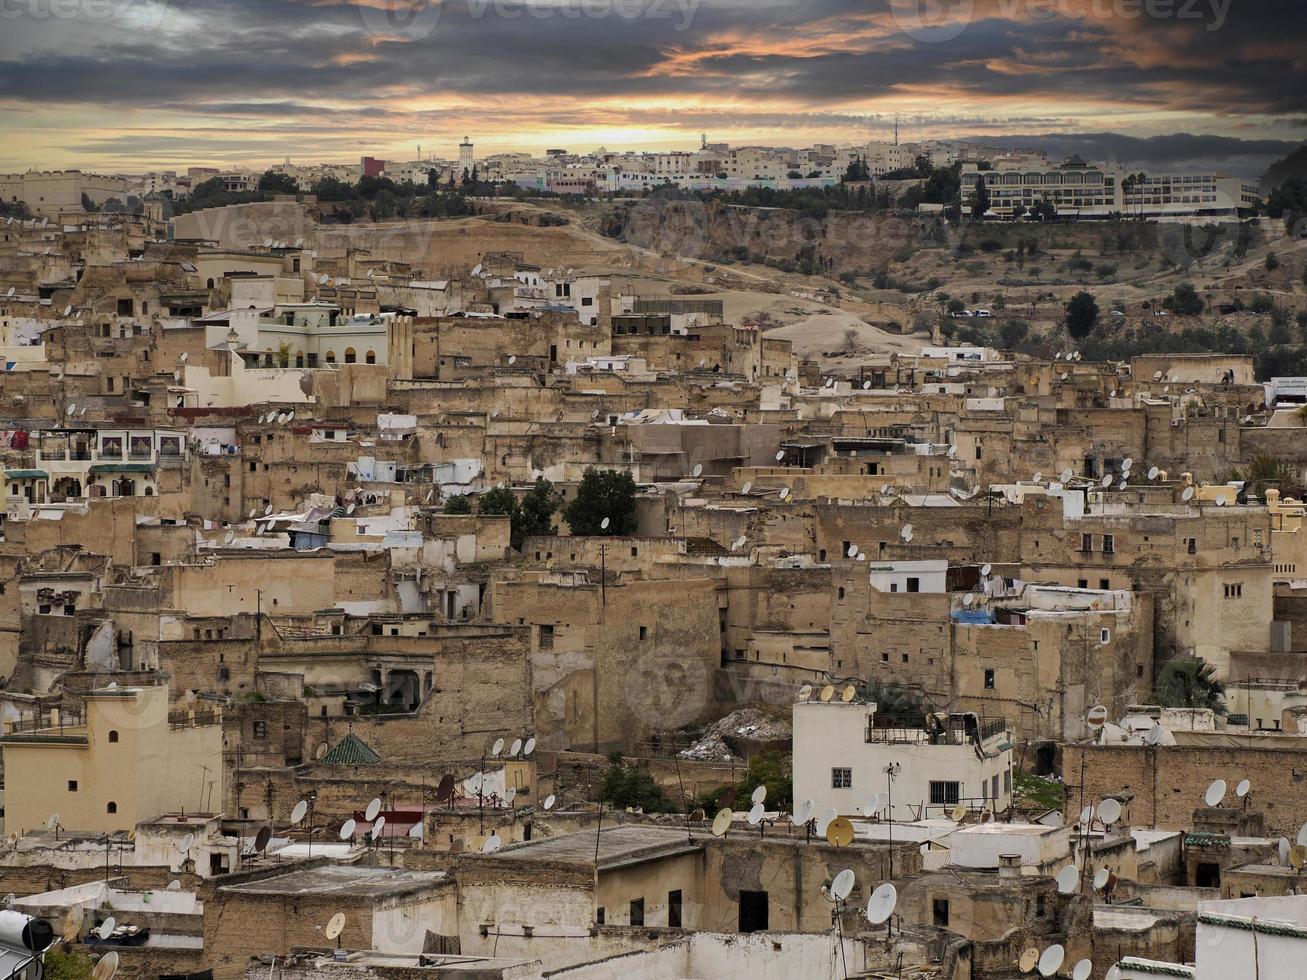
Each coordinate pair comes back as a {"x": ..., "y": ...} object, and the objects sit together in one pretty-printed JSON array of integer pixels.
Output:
[
  {"x": 466, "y": 158},
  {"x": 896, "y": 130}
]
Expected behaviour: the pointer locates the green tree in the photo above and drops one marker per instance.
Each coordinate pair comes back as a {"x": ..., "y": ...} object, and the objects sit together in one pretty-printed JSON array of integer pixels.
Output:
[
  {"x": 979, "y": 199},
  {"x": 458, "y": 504},
  {"x": 537, "y": 510},
  {"x": 770, "y": 769},
  {"x": 273, "y": 182},
  {"x": 1184, "y": 300},
  {"x": 630, "y": 786},
  {"x": 1081, "y": 315},
  {"x": 893, "y": 700},
  {"x": 603, "y": 494},
  {"x": 1190, "y": 684}
]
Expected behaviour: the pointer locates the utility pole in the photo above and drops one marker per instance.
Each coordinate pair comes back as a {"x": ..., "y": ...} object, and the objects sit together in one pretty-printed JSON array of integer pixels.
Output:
[{"x": 891, "y": 772}]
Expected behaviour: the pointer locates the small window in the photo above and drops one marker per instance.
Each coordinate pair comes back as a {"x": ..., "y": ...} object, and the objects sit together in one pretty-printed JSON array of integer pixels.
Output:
[
  {"x": 644, "y": 632},
  {"x": 546, "y": 637},
  {"x": 260, "y": 729},
  {"x": 113, "y": 735},
  {"x": 599, "y": 915},
  {"x": 72, "y": 786},
  {"x": 989, "y": 678},
  {"x": 914, "y": 585},
  {"x": 1086, "y": 543},
  {"x": 111, "y": 807},
  {"x": 1109, "y": 544},
  {"x": 674, "y": 905},
  {"x": 637, "y": 911},
  {"x": 1104, "y": 635},
  {"x": 939, "y": 911},
  {"x": 841, "y": 777},
  {"x": 945, "y": 793}
]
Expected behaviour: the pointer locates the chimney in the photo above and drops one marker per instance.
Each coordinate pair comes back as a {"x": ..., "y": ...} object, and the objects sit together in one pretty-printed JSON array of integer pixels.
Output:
[{"x": 1009, "y": 865}]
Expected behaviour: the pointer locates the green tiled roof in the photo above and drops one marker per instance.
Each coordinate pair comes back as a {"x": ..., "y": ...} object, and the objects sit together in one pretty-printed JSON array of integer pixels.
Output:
[
  {"x": 27, "y": 475},
  {"x": 122, "y": 468},
  {"x": 350, "y": 751}
]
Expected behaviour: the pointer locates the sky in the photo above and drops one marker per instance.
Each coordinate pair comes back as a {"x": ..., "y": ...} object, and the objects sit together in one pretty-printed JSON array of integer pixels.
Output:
[{"x": 132, "y": 85}]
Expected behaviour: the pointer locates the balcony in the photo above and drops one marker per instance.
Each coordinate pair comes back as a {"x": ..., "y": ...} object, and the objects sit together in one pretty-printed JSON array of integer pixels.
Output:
[{"x": 954, "y": 730}]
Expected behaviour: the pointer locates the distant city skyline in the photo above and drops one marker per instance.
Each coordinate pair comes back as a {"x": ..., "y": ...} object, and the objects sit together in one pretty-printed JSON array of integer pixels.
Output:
[{"x": 131, "y": 85}]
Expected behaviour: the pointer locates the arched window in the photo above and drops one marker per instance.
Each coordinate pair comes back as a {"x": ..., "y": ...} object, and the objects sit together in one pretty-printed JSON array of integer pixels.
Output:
[
  {"x": 149, "y": 490},
  {"x": 113, "y": 735},
  {"x": 370, "y": 357},
  {"x": 299, "y": 358},
  {"x": 111, "y": 808},
  {"x": 331, "y": 357},
  {"x": 350, "y": 355},
  {"x": 210, "y": 283}
]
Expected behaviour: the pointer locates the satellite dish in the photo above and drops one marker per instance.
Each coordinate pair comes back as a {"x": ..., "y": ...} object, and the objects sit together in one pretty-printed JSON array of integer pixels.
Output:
[
  {"x": 184, "y": 845},
  {"x": 378, "y": 826},
  {"x": 1109, "y": 811},
  {"x": 530, "y": 746},
  {"x": 1082, "y": 970},
  {"x": 106, "y": 966},
  {"x": 748, "y": 486},
  {"x": 12, "y": 290},
  {"x": 372, "y": 810},
  {"x": 824, "y": 821},
  {"x": 755, "y": 815},
  {"x": 1215, "y": 792},
  {"x": 71, "y": 409},
  {"x": 515, "y": 748},
  {"x": 1188, "y": 494},
  {"x": 1087, "y": 814},
  {"x": 785, "y": 493},
  {"x": 72, "y": 926},
  {"x": 1302, "y": 834},
  {"x": 805, "y": 693},
  {"x": 908, "y": 537},
  {"x": 803, "y": 814},
  {"x": 958, "y": 813},
  {"x": 261, "y": 838},
  {"x": 866, "y": 386},
  {"x": 267, "y": 510},
  {"x": 1107, "y": 479},
  {"x": 827, "y": 693},
  {"x": 848, "y": 694},
  {"x": 1129, "y": 462},
  {"x": 512, "y": 359},
  {"x": 174, "y": 885},
  {"x": 853, "y": 551},
  {"x": 1057, "y": 356},
  {"x": 445, "y": 788},
  {"x": 1050, "y": 961},
  {"x": 698, "y": 470},
  {"x": 497, "y": 747},
  {"x": 1242, "y": 789},
  {"x": 839, "y": 833},
  {"x": 1063, "y": 375},
  {"x": 252, "y": 512},
  {"x": 351, "y": 508},
  {"x": 229, "y": 537},
  {"x": 335, "y": 926},
  {"x": 881, "y": 904},
  {"x": 605, "y": 524},
  {"x": 1157, "y": 375},
  {"x": 862, "y": 556},
  {"x": 985, "y": 569},
  {"x": 1097, "y": 716},
  {"x": 347, "y": 829},
  {"x": 1028, "y": 960},
  {"x": 842, "y": 885},
  {"x": 739, "y": 543},
  {"x": 105, "y": 929},
  {"x": 1155, "y": 735},
  {"x": 780, "y": 455},
  {"x": 52, "y": 821},
  {"x": 906, "y": 532},
  {"x": 968, "y": 599},
  {"x": 1152, "y": 472},
  {"x": 1068, "y": 880},
  {"x": 417, "y": 831},
  {"x": 1298, "y": 856},
  {"x": 68, "y": 310},
  {"x": 872, "y": 806},
  {"x": 722, "y": 822},
  {"x": 759, "y": 794},
  {"x": 1066, "y": 475},
  {"x": 550, "y": 800},
  {"x": 1100, "y": 879}
]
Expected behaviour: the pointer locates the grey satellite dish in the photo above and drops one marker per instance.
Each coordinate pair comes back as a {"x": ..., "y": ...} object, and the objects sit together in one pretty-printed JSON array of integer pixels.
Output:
[
  {"x": 842, "y": 885},
  {"x": 1068, "y": 880},
  {"x": 968, "y": 599},
  {"x": 1066, "y": 475},
  {"x": 908, "y": 537},
  {"x": 373, "y": 808},
  {"x": 1039, "y": 478},
  {"x": 906, "y": 532},
  {"x": 866, "y": 385},
  {"x": 1107, "y": 479},
  {"x": 872, "y": 806},
  {"x": 698, "y": 470},
  {"x": 549, "y": 801},
  {"x": 825, "y": 819},
  {"x": 1215, "y": 792},
  {"x": 881, "y": 904},
  {"x": 1109, "y": 811},
  {"x": 1302, "y": 835},
  {"x": 347, "y": 829},
  {"x": 605, "y": 524},
  {"x": 512, "y": 359},
  {"x": 68, "y": 311},
  {"x": 1050, "y": 961},
  {"x": 1220, "y": 500},
  {"x": 492, "y": 844},
  {"x": 1188, "y": 494},
  {"x": 297, "y": 814},
  {"x": 10, "y": 294},
  {"x": 267, "y": 510},
  {"x": 229, "y": 537},
  {"x": 1129, "y": 462}
]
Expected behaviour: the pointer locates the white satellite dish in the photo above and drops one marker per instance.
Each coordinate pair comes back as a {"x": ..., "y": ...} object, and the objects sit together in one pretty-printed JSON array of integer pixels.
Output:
[
  {"x": 492, "y": 844},
  {"x": 530, "y": 746},
  {"x": 853, "y": 551},
  {"x": 1068, "y": 880},
  {"x": 497, "y": 747},
  {"x": 10, "y": 294},
  {"x": 748, "y": 486},
  {"x": 780, "y": 455},
  {"x": 512, "y": 359},
  {"x": 373, "y": 808},
  {"x": 297, "y": 814},
  {"x": 739, "y": 543},
  {"x": 106, "y": 967},
  {"x": 1050, "y": 961},
  {"x": 866, "y": 386},
  {"x": 1152, "y": 472},
  {"x": 985, "y": 569},
  {"x": 515, "y": 748},
  {"x": 68, "y": 310},
  {"x": 1066, "y": 475},
  {"x": 106, "y": 928},
  {"x": 417, "y": 831},
  {"x": 1220, "y": 500},
  {"x": 605, "y": 524},
  {"x": 549, "y": 801},
  {"x": 1109, "y": 811},
  {"x": 842, "y": 885},
  {"x": 1082, "y": 970},
  {"x": 759, "y": 794},
  {"x": 908, "y": 537},
  {"x": 1157, "y": 375},
  {"x": 756, "y": 814},
  {"x": 1155, "y": 735},
  {"x": 698, "y": 470},
  {"x": 1107, "y": 479},
  {"x": 968, "y": 599},
  {"x": 1215, "y": 792},
  {"x": 803, "y": 814},
  {"x": 881, "y": 904},
  {"x": 824, "y": 821},
  {"x": 267, "y": 510},
  {"x": 174, "y": 885},
  {"x": 1188, "y": 494},
  {"x": 906, "y": 532},
  {"x": 378, "y": 826},
  {"x": 1039, "y": 477},
  {"x": 871, "y": 807},
  {"x": 1101, "y": 877},
  {"x": 347, "y": 829},
  {"x": 1242, "y": 789},
  {"x": 184, "y": 357},
  {"x": 184, "y": 845},
  {"x": 1129, "y": 462},
  {"x": 1057, "y": 356},
  {"x": 351, "y": 508}
]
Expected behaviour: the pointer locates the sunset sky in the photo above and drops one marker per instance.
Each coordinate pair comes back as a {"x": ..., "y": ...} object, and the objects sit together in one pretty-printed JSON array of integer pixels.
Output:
[{"x": 135, "y": 84}]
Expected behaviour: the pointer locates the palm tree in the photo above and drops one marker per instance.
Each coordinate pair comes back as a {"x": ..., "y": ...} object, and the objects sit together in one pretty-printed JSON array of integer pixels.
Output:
[{"x": 1191, "y": 684}]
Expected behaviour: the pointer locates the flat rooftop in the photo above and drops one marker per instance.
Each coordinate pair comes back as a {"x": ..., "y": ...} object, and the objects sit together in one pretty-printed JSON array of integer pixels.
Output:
[
  {"x": 343, "y": 880},
  {"x": 617, "y": 847}
]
